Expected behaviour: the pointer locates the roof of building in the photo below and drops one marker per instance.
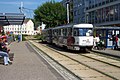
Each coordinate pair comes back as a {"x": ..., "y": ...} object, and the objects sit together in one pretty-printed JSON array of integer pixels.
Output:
[{"x": 11, "y": 19}]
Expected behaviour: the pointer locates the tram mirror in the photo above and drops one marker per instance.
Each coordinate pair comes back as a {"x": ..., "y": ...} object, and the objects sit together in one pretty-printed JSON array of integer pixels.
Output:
[
  {"x": 89, "y": 31},
  {"x": 87, "y": 34}
]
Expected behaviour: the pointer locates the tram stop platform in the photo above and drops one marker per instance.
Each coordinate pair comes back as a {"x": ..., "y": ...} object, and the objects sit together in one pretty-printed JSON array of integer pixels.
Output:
[
  {"x": 111, "y": 52},
  {"x": 27, "y": 65}
]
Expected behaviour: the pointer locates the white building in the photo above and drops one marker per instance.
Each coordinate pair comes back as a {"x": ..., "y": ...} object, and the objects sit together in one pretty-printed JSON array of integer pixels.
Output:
[
  {"x": 41, "y": 27},
  {"x": 27, "y": 28}
]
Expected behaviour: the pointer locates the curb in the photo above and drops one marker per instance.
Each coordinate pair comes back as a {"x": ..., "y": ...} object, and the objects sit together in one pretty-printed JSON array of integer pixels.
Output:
[{"x": 105, "y": 53}]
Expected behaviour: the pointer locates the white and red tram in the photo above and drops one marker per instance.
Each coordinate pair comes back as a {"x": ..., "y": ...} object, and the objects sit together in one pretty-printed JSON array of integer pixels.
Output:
[{"x": 74, "y": 37}]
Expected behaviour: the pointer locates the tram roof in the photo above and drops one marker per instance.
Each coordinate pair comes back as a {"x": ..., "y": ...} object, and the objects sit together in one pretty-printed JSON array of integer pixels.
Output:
[
  {"x": 75, "y": 26},
  {"x": 11, "y": 19},
  {"x": 110, "y": 27},
  {"x": 63, "y": 26}
]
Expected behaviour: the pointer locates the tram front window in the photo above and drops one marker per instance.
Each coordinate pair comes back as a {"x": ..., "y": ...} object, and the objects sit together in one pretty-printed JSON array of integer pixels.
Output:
[{"x": 82, "y": 32}]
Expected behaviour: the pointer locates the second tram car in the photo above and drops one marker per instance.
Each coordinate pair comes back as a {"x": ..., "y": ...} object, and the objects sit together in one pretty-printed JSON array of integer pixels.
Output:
[{"x": 74, "y": 37}]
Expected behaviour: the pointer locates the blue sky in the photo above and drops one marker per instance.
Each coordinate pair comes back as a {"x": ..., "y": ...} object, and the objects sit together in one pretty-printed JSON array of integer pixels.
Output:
[{"x": 12, "y": 6}]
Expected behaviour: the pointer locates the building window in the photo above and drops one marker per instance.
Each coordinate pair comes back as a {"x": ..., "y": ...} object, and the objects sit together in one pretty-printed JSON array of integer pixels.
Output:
[
  {"x": 119, "y": 11},
  {"x": 103, "y": 15},
  {"x": 75, "y": 13},
  {"x": 111, "y": 12},
  {"x": 116, "y": 12},
  {"x": 111, "y": 0},
  {"x": 107, "y": 13},
  {"x": 107, "y": 1}
]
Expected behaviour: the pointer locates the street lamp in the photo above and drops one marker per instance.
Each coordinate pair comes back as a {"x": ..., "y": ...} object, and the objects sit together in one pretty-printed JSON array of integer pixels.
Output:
[{"x": 68, "y": 19}]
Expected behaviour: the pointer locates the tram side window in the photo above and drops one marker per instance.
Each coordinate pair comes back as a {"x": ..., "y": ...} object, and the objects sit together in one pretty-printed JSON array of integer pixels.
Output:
[
  {"x": 65, "y": 32},
  {"x": 48, "y": 33},
  {"x": 56, "y": 32},
  {"x": 53, "y": 32},
  {"x": 62, "y": 32},
  {"x": 75, "y": 32},
  {"x": 59, "y": 32},
  {"x": 69, "y": 31}
]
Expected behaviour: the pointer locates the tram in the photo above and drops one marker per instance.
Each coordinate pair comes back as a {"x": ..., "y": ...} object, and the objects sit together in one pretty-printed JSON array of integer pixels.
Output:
[
  {"x": 47, "y": 35},
  {"x": 73, "y": 37}
]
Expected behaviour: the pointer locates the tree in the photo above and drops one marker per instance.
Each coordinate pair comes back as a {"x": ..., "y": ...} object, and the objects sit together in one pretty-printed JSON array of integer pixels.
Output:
[{"x": 51, "y": 13}]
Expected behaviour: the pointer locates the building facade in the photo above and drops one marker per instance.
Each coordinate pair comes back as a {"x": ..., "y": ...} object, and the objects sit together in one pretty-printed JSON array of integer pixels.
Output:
[
  {"x": 27, "y": 28},
  {"x": 105, "y": 15},
  {"x": 103, "y": 12},
  {"x": 78, "y": 11}
]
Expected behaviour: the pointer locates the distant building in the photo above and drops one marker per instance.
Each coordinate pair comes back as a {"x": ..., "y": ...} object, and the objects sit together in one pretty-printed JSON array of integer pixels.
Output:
[{"x": 27, "y": 28}]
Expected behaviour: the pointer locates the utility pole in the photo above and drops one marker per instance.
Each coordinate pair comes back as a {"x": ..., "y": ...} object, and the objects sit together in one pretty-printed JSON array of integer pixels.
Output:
[
  {"x": 21, "y": 7},
  {"x": 21, "y": 11}
]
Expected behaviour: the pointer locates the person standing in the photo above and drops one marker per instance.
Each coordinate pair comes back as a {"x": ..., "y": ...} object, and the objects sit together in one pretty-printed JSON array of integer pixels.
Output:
[
  {"x": 18, "y": 38},
  {"x": 96, "y": 41},
  {"x": 116, "y": 42}
]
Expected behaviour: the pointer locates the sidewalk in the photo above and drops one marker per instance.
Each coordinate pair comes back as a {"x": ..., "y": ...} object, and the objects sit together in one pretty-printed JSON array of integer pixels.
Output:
[
  {"x": 111, "y": 52},
  {"x": 27, "y": 65}
]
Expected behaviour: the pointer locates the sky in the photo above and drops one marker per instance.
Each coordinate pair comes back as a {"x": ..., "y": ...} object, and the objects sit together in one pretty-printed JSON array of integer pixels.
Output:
[{"x": 12, "y": 6}]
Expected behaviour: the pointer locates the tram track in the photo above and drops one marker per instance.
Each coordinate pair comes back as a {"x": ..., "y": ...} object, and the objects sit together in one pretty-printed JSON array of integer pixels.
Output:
[
  {"x": 89, "y": 60},
  {"x": 103, "y": 59},
  {"x": 99, "y": 60}
]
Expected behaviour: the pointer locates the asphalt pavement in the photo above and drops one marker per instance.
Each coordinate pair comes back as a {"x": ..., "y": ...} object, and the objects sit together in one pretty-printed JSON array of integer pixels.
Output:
[{"x": 27, "y": 65}]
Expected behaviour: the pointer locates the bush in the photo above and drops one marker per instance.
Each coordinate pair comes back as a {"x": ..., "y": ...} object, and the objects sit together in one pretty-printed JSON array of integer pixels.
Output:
[{"x": 23, "y": 37}]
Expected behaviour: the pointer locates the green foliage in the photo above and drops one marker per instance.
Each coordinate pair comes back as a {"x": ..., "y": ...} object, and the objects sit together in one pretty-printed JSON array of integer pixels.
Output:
[
  {"x": 51, "y": 13},
  {"x": 23, "y": 37},
  {"x": 38, "y": 36}
]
